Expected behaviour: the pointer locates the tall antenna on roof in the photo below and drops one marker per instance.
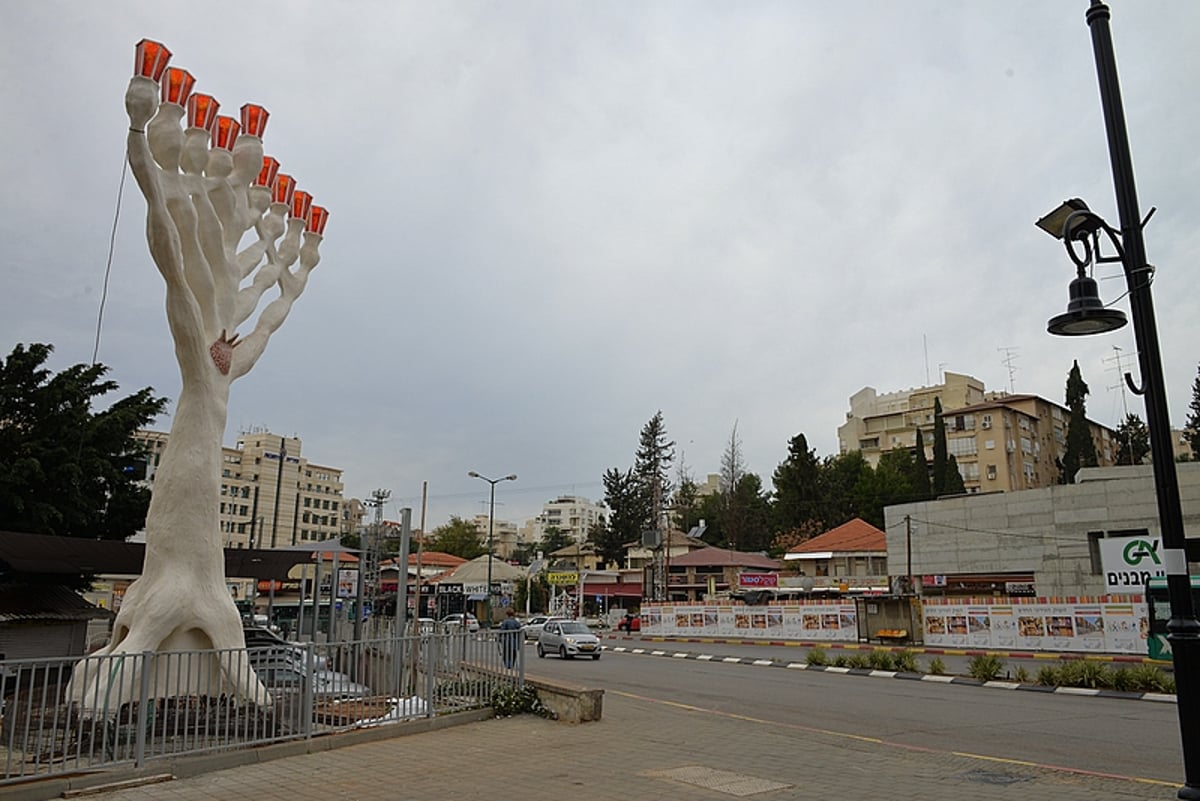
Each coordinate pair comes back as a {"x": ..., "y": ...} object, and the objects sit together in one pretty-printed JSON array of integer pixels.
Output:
[{"x": 1010, "y": 361}]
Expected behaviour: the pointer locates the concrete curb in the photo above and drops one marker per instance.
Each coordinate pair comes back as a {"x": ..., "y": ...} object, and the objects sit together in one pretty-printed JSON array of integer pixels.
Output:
[
  {"x": 895, "y": 674},
  {"x": 916, "y": 649}
]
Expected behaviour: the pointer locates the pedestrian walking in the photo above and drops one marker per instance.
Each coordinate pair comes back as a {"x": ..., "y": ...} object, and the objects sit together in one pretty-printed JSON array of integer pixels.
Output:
[{"x": 510, "y": 637}]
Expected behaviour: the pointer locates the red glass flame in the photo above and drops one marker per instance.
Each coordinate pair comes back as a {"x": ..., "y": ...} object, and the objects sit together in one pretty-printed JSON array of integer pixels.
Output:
[
  {"x": 266, "y": 176},
  {"x": 254, "y": 120},
  {"x": 285, "y": 185},
  {"x": 177, "y": 86},
  {"x": 225, "y": 132},
  {"x": 301, "y": 205},
  {"x": 202, "y": 111},
  {"x": 317, "y": 220},
  {"x": 150, "y": 59}
]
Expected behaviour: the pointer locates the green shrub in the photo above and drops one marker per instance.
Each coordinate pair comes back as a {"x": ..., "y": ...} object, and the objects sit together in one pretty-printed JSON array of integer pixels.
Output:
[
  {"x": 1070, "y": 673},
  {"x": 985, "y": 667},
  {"x": 1021, "y": 675},
  {"x": 881, "y": 659},
  {"x": 1049, "y": 676},
  {"x": 857, "y": 660},
  {"x": 840, "y": 660},
  {"x": 1094, "y": 675},
  {"x": 509, "y": 701},
  {"x": 906, "y": 661},
  {"x": 937, "y": 667},
  {"x": 1150, "y": 679},
  {"x": 817, "y": 656}
]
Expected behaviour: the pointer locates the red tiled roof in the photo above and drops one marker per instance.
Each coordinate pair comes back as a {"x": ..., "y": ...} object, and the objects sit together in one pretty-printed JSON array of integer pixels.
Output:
[
  {"x": 711, "y": 557},
  {"x": 857, "y": 535},
  {"x": 432, "y": 558}
]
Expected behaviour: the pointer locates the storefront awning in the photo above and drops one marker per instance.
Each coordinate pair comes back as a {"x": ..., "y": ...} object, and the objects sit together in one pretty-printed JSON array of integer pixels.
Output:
[{"x": 477, "y": 596}]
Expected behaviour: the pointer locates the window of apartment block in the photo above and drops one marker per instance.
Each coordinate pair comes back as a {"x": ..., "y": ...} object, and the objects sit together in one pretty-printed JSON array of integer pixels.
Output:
[
  {"x": 961, "y": 446},
  {"x": 969, "y": 470},
  {"x": 991, "y": 472},
  {"x": 1030, "y": 475},
  {"x": 1026, "y": 445},
  {"x": 989, "y": 444}
]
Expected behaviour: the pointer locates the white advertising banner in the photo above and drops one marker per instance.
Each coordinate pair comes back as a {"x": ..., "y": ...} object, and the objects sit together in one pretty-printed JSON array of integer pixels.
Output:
[
  {"x": 1099, "y": 627},
  {"x": 822, "y": 621},
  {"x": 1086, "y": 626},
  {"x": 1130, "y": 562}
]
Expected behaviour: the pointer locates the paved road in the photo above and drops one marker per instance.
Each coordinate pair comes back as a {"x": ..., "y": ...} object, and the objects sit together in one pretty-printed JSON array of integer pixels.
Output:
[{"x": 1067, "y": 730}]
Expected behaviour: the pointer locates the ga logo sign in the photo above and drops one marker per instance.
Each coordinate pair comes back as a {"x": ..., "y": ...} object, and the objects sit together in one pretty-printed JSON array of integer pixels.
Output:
[{"x": 1130, "y": 562}]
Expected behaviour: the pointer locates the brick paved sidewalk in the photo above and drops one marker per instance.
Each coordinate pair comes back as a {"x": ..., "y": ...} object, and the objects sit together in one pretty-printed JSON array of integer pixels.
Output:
[{"x": 642, "y": 750}]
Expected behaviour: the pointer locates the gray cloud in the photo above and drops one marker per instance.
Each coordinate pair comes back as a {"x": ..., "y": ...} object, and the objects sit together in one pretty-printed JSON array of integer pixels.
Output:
[{"x": 551, "y": 219}]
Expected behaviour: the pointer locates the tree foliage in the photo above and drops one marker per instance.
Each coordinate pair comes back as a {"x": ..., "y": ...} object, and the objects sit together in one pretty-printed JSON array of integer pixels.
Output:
[
  {"x": 1133, "y": 440},
  {"x": 554, "y": 539},
  {"x": 652, "y": 465},
  {"x": 797, "y": 482},
  {"x": 66, "y": 468},
  {"x": 458, "y": 537},
  {"x": 946, "y": 479},
  {"x": 1192, "y": 425},
  {"x": 1080, "y": 448}
]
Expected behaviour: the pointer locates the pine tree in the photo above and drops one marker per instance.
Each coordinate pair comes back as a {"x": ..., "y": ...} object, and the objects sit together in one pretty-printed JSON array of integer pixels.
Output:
[
  {"x": 1192, "y": 426},
  {"x": 941, "y": 461},
  {"x": 797, "y": 482},
  {"x": 1080, "y": 450},
  {"x": 922, "y": 489},
  {"x": 1133, "y": 440},
  {"x": 652, "y": 466}
]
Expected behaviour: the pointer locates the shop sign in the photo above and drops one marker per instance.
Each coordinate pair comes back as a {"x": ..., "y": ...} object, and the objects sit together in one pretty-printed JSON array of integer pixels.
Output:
[
  {"x": 449, "y": 589},
  {"x": 563, "y": 578},
  {"x": 1130, "y": 562},
  {"x": 758, "y": 579}
]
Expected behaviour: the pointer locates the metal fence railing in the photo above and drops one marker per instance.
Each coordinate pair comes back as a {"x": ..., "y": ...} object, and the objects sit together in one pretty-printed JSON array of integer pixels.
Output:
[{"x": 66, "y": 715}]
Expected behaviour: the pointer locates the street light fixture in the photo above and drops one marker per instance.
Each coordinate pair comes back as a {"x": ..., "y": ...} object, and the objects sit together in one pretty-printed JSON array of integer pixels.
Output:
[
  {"x": 487, "y": 604},
  {"x": 1075, "y": 223}
]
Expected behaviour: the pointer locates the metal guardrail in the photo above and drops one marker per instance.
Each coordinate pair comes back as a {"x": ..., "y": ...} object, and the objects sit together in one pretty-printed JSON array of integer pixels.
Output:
[{"x": 67, "y": 715}]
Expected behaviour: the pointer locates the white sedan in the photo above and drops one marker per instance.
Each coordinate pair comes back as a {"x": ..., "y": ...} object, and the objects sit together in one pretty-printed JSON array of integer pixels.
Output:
[{"x": 568, "y": 639}]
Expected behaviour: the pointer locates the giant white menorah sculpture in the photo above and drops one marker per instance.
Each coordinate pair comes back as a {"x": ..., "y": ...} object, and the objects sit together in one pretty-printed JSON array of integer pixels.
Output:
[{"x": 205, "y": 187}]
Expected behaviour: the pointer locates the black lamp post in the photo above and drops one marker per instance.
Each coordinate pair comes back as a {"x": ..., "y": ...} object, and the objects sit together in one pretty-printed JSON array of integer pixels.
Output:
[
  {"x": 1081, "y": 229},
  {"x": 487, "y": 604}
]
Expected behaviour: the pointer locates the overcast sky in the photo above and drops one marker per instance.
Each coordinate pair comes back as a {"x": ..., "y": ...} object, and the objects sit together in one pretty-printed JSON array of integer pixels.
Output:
[{"x": 551, "y": 219}]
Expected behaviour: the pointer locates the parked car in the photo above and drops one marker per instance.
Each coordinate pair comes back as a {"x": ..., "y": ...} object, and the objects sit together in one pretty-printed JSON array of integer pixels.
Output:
[
  {"x": 326, "y": 684},
  {"x": 533, "y": 626},
  {"x": 568, "y": 639},
  {"x": 456, "y": 620},
  {"x": 263, "y": 645},
  {"x": 428, "y": 625}
]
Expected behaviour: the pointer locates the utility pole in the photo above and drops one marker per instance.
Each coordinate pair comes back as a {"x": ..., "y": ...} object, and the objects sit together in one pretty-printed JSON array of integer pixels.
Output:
[{"x": 372, "y": 548}]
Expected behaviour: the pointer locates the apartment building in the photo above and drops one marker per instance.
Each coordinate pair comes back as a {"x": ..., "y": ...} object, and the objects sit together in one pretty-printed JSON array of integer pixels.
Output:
[
  {"x": 271, "y": 495},
  {"x": 1002, "y": 442},
  {"x": 878, "y": 423},
  {"x": 1014, "y": 442},
  {"x": 505, "y": 536},
  {"x": 570, "y": 514}
]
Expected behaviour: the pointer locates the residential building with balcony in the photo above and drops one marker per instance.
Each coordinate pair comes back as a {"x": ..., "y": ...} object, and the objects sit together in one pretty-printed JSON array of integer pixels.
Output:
[
  {"x": 878, "y": 423},
  {"x": 271, "y": 495},
  {"x": 1002, "y": 442},
  {"x": 571, "y": 514},
  {"x": 1014, "y": 442}
]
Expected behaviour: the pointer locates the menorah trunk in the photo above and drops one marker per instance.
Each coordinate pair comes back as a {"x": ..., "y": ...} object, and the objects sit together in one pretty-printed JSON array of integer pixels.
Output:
[{"x": 181, "y": 601}]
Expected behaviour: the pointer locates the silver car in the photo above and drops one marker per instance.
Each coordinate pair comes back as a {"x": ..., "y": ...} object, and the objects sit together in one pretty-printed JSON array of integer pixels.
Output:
[
  {"x": 532, "y": 628},
  {"x": 326, "y": 684},
  {"x": 568, "y": 639}
]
